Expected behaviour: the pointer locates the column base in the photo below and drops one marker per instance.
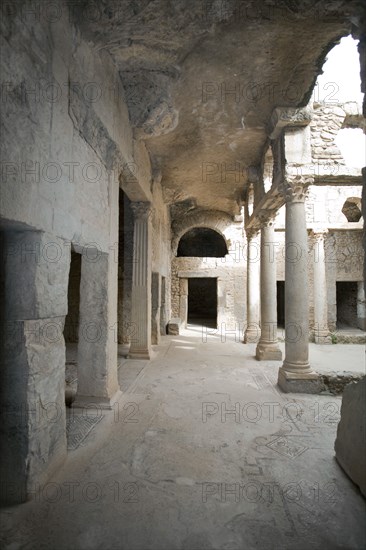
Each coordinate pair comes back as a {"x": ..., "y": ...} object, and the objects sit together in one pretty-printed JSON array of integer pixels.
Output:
[
  {"x": 85, "y": 401},
  {"x": 139, "y": 354},
  {"x": 268, "y": 352},
  {"x": 322, "y": 338},
  {"x": 252, "y": 336},
  {"x": 299, "y": 382}
]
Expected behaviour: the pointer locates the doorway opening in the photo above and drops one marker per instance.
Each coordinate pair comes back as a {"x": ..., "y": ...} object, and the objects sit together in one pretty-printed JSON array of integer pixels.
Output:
[
  {"x": 281, "y": 304},
  {"x": 346, "y": 304},
  {"x": 71, "y": 329},
  {"x": 202, "y": 301},
  {"x": 125, "y": 270}
]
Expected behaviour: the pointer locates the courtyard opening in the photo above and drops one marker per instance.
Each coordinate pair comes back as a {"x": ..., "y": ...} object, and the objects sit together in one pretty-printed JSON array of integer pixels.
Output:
[{"x": 202, "y": 301}]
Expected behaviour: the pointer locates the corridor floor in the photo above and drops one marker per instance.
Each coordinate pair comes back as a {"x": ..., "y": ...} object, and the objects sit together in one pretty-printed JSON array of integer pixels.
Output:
[{"x": 202, "y": 452}]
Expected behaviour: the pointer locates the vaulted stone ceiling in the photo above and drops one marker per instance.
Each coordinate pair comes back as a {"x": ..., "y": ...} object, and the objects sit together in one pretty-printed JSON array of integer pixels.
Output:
[{"x": 179, "y": 61}]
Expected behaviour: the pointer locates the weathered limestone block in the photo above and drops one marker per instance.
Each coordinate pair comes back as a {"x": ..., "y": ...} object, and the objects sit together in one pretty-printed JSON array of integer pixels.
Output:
[
  {"x": 97, "y": 349},
  {"x": 350, "y": 445},
  {"x": 174, "y": 326},
  {"x": 38, "y": 262},
  {"x": 33, "y": 427}
]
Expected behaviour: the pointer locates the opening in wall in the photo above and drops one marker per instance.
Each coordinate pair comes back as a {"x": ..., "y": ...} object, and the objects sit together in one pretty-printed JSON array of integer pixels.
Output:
[
  {"x": 281, "y": 304},
  {"x": 346, "y": 304},
  {"x": 125, "y": 268},
  {"x": 71, "y": 330},
  {"x": 202, "y": 301}
]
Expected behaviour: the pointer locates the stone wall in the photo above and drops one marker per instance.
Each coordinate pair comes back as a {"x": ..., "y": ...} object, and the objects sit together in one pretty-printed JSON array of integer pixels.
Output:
[
  {"x": 230, "y": 270},
  {"x": 343, "y": 262},
  {"x": 328, "y": 119},
  {"x": 66, "y": 141}
]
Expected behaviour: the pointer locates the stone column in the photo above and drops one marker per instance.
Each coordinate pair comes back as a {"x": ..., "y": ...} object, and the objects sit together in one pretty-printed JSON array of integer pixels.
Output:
[
  {"x": 252, "y": 332},
  {"x": 267, "y": 347},
  {"x": 295, "y": 374},
  {"x": 321, "y": 330},
  {"x": 141, "y": 282}
]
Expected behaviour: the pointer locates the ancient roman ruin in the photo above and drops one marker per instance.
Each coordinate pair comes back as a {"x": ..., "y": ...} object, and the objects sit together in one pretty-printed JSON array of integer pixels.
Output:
[{"x": 182, "y": 226}]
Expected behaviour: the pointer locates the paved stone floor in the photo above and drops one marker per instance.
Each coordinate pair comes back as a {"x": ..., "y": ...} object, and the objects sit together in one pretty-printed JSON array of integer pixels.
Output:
[{"x": 202, "y": 452}]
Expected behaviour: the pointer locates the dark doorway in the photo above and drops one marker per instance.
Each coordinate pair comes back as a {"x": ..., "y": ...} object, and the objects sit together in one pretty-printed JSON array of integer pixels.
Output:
[
  {"x": 346, "y": 304},
  {"x": 202, "y": 301},
  {"x": 281, "y": 304},
  {"x": 125, "y": 269},
  {"x": 71, "y": 330}
]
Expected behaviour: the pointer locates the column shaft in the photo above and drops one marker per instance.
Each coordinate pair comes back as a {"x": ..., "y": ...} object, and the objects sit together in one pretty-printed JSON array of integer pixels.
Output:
[
  {"x": 295, "y": 373},
  {"x": 141, "y": 282},
  {"x": 252, "y": 332},
  {"x": 267, "y": 348},
  {"x": 321, "y": 330}
]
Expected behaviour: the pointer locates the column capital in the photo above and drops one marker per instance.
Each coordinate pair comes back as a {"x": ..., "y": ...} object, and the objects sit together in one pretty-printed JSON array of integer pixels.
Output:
[
  {"x": 319, "y": 233},
  {"x": 295, "y": 188},
  {"x": 252, "y": 233},
  {"x": 142, "y": 210}
]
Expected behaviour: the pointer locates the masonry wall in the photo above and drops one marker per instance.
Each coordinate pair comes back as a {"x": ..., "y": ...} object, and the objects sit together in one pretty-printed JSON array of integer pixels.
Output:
[
  {"x": 66, "y": 139},
  {"x": 229, "y": 270},
  {"x": 343, "y": 262}
]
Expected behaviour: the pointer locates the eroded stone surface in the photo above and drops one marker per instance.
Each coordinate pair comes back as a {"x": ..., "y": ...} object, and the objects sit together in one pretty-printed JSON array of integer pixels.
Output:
[
  {"x": 350, "y": 445},
  {"x": 203, "y": 451}
]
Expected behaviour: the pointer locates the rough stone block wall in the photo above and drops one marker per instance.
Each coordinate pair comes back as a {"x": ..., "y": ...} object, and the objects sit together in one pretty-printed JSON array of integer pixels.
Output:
[
  {"x": 327, "y": 121},
  {"x": 232, "y": 306},
  {"x": 343, "y": 262},
  {"x": 64, "y": 187},
  {"x": 230, "y": 271}
]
